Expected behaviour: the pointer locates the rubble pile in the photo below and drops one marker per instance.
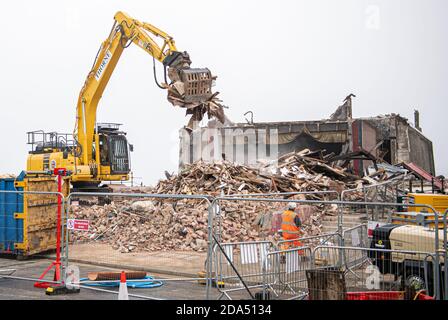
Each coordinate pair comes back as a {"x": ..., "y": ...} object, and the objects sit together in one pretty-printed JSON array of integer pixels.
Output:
[
  {"x": 162, "y": 226},
  {"x": 156, "y": 225},
  {"x": 294, "y": 172},
  {"x": 7, "y": 176},
  {"x": 146, "y": 225}
]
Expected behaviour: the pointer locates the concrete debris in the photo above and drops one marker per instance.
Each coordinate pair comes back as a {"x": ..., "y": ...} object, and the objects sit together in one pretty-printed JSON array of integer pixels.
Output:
[
  {"x": 142, "y": 206},
  {"x": 293, "y": 172},
  {"x": 182, "y": 225},
  {"x": 7, "y": 176},
  {"x": 130, "y": 226}
]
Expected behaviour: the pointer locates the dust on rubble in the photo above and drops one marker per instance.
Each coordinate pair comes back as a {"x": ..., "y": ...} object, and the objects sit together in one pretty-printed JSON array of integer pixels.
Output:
[{"x": 150, "y": 225}]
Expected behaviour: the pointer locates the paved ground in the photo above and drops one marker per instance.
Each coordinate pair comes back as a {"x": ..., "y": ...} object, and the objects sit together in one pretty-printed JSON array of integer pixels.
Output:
[
  {"x": 12, "y": 289},
  {"x": 178, "y": 263}
]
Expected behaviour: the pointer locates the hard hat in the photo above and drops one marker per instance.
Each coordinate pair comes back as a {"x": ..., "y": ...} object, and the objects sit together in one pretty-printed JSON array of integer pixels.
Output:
[{"x": 292, "y": 205}]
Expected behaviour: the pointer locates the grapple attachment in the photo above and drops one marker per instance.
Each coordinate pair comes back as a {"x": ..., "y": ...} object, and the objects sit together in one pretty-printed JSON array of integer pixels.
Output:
[
  {"x": 194, "y": 85},
  {"x": 197, "y": 84}
]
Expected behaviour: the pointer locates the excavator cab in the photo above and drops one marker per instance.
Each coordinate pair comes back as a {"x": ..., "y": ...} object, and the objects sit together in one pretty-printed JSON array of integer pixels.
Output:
[
  {"x": 114, "y": 148},
  {"x": 51, "y": 149}
]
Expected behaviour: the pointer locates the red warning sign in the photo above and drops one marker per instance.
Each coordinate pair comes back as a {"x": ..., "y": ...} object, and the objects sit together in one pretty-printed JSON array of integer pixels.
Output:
[{"x": 78, "y": 225}]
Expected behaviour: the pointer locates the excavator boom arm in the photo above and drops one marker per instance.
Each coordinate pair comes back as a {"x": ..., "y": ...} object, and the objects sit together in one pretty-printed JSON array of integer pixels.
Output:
[
  {"x": 100, "y": 152},
  {"x": 124, "y": 32},
  {"x": 137, "y": 32}
]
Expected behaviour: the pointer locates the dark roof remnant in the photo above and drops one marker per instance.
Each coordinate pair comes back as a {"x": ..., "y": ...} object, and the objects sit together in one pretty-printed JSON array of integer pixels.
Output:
[{"x": 344, "y": 111}]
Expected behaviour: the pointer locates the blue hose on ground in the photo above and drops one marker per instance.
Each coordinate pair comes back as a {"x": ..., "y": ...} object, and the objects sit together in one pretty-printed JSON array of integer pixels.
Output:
[{"x": 130, "y": 283}]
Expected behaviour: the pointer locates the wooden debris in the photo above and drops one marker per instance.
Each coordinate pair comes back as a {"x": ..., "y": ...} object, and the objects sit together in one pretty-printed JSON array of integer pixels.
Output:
[
  {"x": 110, "y": 276},
  {"x": 7, "y": 176},
  {"x": 156, "y": 225}
]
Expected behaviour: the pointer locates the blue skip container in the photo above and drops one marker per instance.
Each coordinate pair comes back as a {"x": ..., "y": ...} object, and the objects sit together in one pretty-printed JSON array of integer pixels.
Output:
[{"x": 28, "y": 221}]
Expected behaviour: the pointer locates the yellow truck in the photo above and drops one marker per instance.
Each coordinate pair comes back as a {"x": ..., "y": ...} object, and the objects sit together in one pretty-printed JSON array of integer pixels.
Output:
[
  {"x": 421, "y": 215},
  {"x": 437, "y": 201}
]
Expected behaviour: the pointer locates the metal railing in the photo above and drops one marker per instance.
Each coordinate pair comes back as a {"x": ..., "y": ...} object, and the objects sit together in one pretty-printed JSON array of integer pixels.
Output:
[
  {"x": 215, "y": 204},
  {"x": 247, "y": 258},
  {"x": 355, "y": 237},
  {"x": 284, "y": 273},
  {"x": 259, "y": 275},
  {"x": 385, "y": 270},
  {"x": 96, "y": 242}
]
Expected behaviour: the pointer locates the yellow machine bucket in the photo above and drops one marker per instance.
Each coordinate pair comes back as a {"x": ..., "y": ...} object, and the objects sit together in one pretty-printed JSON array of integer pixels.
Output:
[
  {"x": 188, "y": 85},
  {"x": 197, "y": 84}
]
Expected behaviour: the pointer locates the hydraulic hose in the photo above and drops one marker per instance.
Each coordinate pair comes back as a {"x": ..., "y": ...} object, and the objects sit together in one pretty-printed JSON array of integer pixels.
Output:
[
  {"x": 130, "y": 283},
  {"x": 155, "y": 73}
]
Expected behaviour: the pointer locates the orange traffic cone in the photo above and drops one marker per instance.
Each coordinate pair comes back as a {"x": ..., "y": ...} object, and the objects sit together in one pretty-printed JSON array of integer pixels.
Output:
[{"x": 123, "y": 291}]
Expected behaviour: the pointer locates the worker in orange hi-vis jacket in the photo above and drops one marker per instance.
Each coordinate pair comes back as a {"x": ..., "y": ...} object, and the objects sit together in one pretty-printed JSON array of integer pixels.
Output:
[{"x": 291, "y": 224}]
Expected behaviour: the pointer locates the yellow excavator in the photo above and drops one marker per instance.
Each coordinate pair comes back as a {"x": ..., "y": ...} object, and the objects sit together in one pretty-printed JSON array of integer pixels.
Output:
[{"x": 97, "y": 152}]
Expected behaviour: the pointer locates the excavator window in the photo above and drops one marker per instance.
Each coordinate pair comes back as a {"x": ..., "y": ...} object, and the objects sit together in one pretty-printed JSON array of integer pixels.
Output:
[
  {"x": 104, "y": 151},
  {"x": 118, "y": 154}
]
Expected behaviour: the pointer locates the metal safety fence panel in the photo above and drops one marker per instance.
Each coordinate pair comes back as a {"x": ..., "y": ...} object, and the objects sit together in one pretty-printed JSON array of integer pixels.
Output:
[
  {"x": 327, "y": 239},
  {"x": 251, "y": 219},
  {"x": 29, "y": 227},
  {"x": 387, "y": 192},
  {"x": 265, "y": 216},
  {"x": 249, "y": 259},
  {"x": 238, "y": 267},
  {"x": 258, "y": 221},
  {"x": 355, "y": 237},
  {"x": 411, "y": 238},
  {"x": 284, "y": 273},
  {"x": 112, "y": 232},
  {"x": 163, "y": 236},
  {"x": 256, "y": 224},
  {"x": 384, "y": 275}
]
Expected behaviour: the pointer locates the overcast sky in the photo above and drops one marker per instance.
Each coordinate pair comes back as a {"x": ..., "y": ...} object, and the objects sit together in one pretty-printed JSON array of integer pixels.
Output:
[{"x": 284, "y": 60}]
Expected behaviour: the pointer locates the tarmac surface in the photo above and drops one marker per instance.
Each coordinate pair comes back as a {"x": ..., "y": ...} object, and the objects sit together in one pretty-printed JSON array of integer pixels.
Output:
[
  {"x": 18, "y": 289},
  {"x": 176, "y": 263}
]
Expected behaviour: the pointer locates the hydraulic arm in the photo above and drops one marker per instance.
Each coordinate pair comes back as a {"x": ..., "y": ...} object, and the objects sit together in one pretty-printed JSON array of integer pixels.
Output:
[{"x": 99, "y": 152}]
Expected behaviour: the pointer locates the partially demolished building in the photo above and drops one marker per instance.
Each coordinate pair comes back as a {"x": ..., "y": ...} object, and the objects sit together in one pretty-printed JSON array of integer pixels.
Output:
[{"x": 353, "y": 143}]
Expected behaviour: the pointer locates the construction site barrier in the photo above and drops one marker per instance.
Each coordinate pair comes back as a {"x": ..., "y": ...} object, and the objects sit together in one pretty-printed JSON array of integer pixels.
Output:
[
  {"x": 238, "y": 267},
  {"x": 387, "y": 191},
  {"x": 88, "y": 247},
  {"x": 215, "y": 208},
  {"x": 284, "y": 273},
  {"x": 347, "y": 259},
  {"x": 242, "y": 265},
  {"x": 355, "y": 237},
  {"x": 215, "y": 224},
  {"x": 31, "y": 224},
  {"x": 373, "y": 191},
  {"x": 385, "y": 275},
  {"x": 382, "y": 271},
  {"x": 311, "y": 241}
]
